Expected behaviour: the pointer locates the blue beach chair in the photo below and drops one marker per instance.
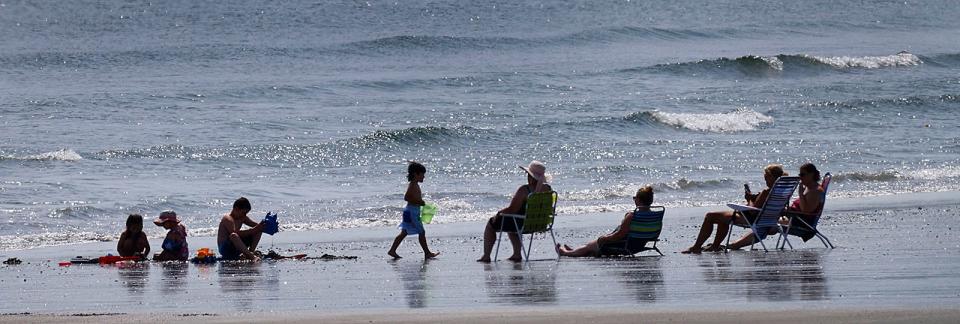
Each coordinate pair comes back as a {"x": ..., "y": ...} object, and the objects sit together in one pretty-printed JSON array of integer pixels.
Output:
[
  {"x": 645, "y": 227},
  {"x": 807, "y": 230},
  {"x": 769, "y": 215}
]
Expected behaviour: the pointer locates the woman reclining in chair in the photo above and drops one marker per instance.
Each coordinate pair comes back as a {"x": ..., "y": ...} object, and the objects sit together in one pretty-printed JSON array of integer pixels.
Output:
[
  {"x": 806, "y": 205},
  {"x": 643, "y": 200},
  {"x": 722, "y": 218}
]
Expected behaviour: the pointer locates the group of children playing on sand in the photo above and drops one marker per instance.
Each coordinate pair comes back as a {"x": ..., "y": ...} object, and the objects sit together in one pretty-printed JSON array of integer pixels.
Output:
[
  {"x": 133, "y": 242},
  {"x": 232, "y": 242}
]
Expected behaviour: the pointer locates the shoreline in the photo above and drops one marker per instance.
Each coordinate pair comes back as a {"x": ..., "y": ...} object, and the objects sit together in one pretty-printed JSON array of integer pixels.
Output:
[
  {"x": 526, "y": 315},
  {"x": 923, "y": 199}
]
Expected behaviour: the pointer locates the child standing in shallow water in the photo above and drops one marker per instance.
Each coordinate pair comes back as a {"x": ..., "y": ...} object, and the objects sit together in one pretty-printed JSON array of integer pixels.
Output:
[
  {"x": 133, "y": 242},
  {"x": 411, "y": 214}
]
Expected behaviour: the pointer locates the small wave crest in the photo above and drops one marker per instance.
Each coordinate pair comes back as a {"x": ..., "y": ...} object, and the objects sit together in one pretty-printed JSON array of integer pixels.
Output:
[
  {"x": 739, "y": 120},
  {"x": 626, "y": 191},
  {"x": 928, "y": 174},
  {"x": 29, "y": 241},
  {"x": 334, "y": 153},
  {"x": 762, "y": 66},
  {"x": 868, "y": 62},
  {"x": 59, "y": 155},
  {"x": 881, "y": 176},
  {"x": 419, "y": 134}
]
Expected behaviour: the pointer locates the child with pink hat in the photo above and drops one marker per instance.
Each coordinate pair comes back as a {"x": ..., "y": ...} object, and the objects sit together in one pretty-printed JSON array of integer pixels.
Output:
[{"x": 175, "y": 243}]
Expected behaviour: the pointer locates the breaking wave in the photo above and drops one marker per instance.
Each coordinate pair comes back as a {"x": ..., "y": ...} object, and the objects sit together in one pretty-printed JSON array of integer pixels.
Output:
[
  {"x": 760, "y": 66},
  {"x": 739, "y": 120},
  {"x": 59, "y": 155}
]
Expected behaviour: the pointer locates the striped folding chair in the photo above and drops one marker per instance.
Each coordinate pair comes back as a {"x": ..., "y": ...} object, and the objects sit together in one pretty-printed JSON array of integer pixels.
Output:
[
  {"x": 807, "y": 230},
  {"x": 540, "y": 213},
  {"x": 768, "y": 216},
  {"x": 645, "y": 227}
]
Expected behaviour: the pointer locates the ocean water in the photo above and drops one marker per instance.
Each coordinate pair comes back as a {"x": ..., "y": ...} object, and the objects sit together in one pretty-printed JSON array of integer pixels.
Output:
[{"x": 311, "y": 109}]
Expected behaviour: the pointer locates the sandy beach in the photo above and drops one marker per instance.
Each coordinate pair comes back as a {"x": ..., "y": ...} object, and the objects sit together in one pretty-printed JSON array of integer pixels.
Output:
[{"x": 895, "y": 261}]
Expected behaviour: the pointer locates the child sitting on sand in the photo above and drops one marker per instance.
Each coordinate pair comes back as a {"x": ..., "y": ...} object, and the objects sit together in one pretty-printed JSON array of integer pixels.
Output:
[
  {"x": 133, "y": 242},
  {"x": 411, "y": 214},
  {"x": 175, "y": 243},
  {"x": 643, "y": 200}
]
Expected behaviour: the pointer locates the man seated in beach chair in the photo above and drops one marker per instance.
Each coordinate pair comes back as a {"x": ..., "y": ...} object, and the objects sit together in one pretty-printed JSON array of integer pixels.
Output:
[
  {"x": 234, "y": 243},
  {"x": 805, "y": 225},
  {"x": 643, "y": 199},
  {"x": 808, "y": 203}
]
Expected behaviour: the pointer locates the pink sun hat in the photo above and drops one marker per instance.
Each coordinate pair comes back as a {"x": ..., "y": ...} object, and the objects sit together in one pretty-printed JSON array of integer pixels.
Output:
[
  {"x": 166, "y": 216},
  {"x": 538, "y": 171}
]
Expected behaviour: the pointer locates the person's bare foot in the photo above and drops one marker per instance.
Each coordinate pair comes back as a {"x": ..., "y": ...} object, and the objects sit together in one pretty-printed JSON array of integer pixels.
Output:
[
  {"x": 568, "y": 247},
  {"x": 431, "y": 255},
  {"x": 692, "y": 250},
  {"x": 515, "y": 258},
  {"x": 394, "y": 255},
  {"x": 484, "y": 260}
]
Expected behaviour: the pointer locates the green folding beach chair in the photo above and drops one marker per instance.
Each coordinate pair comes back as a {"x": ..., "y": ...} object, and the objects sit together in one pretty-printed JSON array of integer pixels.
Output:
[
  {"x": 807, "y": 230},
  {"x": 540, "y": 213},
  {"x": 769, "y": 215}
]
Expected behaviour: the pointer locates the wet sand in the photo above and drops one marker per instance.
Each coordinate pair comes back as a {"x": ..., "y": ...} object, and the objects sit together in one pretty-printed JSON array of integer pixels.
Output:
[{"x": 895, "y": 255}]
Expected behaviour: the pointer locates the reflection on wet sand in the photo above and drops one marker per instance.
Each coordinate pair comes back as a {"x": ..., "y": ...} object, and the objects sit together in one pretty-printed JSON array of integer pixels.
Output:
[
  {"x": 520, "y": 284},
  {"x": 135, "y": 276},
  {"x": 174, "y": 276},
  {"x": 414, "y": 279},
  {"x": 642, "y": 275},
  {"x": 239, "y": 282},
  {"x": 783, "y": 276}
]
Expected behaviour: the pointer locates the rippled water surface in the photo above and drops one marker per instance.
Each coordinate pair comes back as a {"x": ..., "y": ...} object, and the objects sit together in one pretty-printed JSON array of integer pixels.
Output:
[{"x": 312, "y": 109}]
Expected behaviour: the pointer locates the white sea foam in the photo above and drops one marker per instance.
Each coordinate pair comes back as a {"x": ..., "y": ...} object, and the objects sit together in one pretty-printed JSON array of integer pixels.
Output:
[
  {"x": 29, "y": 241},
  {"x": 59, "y": 155},
  {"x": 868, "y": 62},
  {"x": 735, "y": 121},
  {"x": 774, "y": 62}
]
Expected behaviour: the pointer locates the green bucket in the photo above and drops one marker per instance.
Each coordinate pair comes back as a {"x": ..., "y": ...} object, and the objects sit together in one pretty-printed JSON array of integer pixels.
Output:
[{"x": 427, "y": 211}]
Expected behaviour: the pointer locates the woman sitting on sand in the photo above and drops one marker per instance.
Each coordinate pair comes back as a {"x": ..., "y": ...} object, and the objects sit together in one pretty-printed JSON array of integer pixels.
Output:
[
  {"x": 643, "y": 200},
  {"x": 537, "y": 181},
  {"x": 807, "y": 205},
  {"x": 722, "y": 218}
]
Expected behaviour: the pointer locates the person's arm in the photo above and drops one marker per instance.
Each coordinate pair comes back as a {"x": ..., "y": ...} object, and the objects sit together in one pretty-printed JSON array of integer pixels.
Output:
[
  {"x": 413, "y": 194},
  {"x": 761, "y": 199},
  {"x": 621, "y": 232},
  {"x": 519, "y": 198},
  {"x": 146, "y": 244},
  {"x": 123, "y": 236},
  {"x": 249, "y": 222}
]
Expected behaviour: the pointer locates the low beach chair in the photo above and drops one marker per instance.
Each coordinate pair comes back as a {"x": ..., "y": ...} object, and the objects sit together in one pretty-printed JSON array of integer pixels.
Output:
[
  {"x": 540, "y": 213},
  {"x": 769, "y": 215},
  {"x": 807, "y": 230},
  {"x": 645, "y": 227}
]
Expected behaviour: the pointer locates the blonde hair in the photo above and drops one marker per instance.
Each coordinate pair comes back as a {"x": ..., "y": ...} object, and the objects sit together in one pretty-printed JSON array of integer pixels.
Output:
[
  {"x": 775, "y": 170},
  {"x": 645, "y": 195}
]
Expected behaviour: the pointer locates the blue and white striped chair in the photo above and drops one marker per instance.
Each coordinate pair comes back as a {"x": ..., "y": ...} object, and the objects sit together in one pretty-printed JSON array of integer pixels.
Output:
[{"x": 769, "y": 215}]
